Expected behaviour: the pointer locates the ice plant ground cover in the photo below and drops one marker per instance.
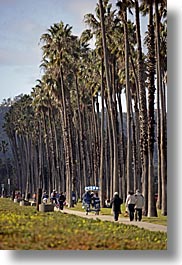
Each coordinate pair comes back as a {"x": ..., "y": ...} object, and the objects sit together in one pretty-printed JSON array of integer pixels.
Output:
[{"x": 24, "y": 228}]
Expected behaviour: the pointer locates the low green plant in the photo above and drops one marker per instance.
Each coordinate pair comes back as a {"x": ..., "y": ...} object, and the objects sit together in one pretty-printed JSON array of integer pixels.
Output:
[{"x": 24, "y": 228}]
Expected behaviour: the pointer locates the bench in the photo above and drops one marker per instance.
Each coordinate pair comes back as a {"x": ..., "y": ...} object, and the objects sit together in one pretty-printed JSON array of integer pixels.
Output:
[
  {"x": 46, "y": 207},
  {"x": 17, "y": 200},
  {"x": 24, "y": 203}
]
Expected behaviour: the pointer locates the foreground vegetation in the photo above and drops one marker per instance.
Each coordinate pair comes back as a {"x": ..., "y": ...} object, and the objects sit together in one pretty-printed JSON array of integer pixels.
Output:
[{"x": 25, "y": 228}]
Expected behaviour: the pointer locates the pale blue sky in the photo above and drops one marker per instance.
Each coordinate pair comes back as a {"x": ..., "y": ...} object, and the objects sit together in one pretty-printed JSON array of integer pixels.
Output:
[{"x": 22, "y": 22}]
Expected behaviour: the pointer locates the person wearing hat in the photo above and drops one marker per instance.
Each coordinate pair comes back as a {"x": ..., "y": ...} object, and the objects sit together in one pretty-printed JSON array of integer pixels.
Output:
[
  {"x": 115, "y": 204},
  {"x": 138, "y": 205}
]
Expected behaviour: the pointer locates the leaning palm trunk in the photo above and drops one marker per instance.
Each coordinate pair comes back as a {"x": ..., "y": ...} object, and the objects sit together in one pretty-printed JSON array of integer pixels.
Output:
[
  {"x": 122, "y": 150},
  {"x": 95, "y": 144},
  {"x": 128, "y": 105},
  {"x": 25, "y": 141},
  {"x": 52, "y": 148},
  {"x": 142, "y": 112},
  {"x": 134, "y": 164},
  {"x": 47, "y": 150},
  {"x": 163, "y": 164},
  {"x": 65, "y": 130},
  {"x": 81, "y": 135},
  {"x": 20, "y": 149},
  {"x": 108, "y": 82},
  {"x": 151, "y": 91},
  {"x": 98, "y": 141},
  {"x": 101, "y": 176},
  {"x": 71, "y": 133},
  {"x": 109, "y": 153},
  {"x": 159, "y": 188},
  {"x": 138, "y": 158},
  {"x": 137, "y": 128},
  {"x": 59, "y": 182}
]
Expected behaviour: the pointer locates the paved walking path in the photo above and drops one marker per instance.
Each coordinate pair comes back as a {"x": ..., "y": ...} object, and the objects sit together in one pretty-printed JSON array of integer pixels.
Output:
[{"x": 145, "y": 225}]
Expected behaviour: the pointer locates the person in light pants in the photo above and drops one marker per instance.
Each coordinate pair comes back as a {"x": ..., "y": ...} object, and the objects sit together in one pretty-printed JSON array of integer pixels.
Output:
[
  {"x": 130, "y": 204},
  {"x": 138, "y": 205}
]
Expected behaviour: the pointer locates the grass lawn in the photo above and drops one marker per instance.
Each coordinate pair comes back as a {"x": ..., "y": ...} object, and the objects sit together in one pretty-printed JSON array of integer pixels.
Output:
[{"x": 24, "y": 228}]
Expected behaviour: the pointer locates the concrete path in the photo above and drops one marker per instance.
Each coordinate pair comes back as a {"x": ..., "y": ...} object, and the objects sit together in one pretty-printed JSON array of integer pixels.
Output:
[{"x": 145, "y": 225}]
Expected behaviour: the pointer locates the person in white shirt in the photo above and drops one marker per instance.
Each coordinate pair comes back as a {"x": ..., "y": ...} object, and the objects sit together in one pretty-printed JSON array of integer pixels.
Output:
[
  {"x": 139, "y": 205},
  {"x": 130, "y": 204}
]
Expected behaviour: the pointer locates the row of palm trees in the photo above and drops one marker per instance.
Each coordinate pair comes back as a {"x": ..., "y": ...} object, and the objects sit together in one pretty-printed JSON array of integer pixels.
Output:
[{"x": 70, "y": 132}]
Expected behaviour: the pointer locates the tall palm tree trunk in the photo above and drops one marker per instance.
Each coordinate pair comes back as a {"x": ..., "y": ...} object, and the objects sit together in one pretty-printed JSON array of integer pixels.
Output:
[
  {"x": 101, "y": 176},
  {"x": 108, "y": 82},
  {"x": 128, "y": 107},
  {"x": 142, "y": 111},
  {"x": 152, "y": 211}
]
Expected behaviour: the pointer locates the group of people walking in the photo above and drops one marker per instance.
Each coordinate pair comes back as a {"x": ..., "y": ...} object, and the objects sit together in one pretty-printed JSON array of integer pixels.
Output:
[
  {"x": 134, "y": 202},
  {"x": 134, "y": 205},
  {"x": 91, "y": 199}
]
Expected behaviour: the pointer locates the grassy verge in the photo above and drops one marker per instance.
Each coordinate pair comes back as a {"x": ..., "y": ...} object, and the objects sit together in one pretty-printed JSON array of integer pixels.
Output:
[{"x": 22, "y": 227}]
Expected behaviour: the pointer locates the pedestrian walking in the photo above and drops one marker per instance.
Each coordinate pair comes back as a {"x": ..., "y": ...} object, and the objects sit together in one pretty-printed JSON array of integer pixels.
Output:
[
  {"x": 53, "y": 198},
  {"x": 96, "y": 202},
  {"x": 115, "y": 204},
  {"x": 62, "y": 199},
  {"x": 130, "y": 204},
  {"x": 138, "y": 205},
  {"x": 86, "y": 198},
  {"x": 73, "y": 196}
]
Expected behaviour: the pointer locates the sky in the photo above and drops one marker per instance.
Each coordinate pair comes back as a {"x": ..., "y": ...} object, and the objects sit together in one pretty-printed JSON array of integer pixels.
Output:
[{"x": 22, "y": 22}]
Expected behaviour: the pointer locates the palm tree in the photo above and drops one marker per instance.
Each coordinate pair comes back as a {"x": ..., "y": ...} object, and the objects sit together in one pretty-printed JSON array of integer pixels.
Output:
[
  {"x": 95, "y": 25},
  {"x": 151, "y": 91},
  {"x": 42, "y": 106},
  {"x": 58, "y": 50},
  {"x": 123, "y": 15},
  {"x": 142, "y": 109},
  {"x": 19, "y": 130},
  {"x": 69, "y": 143},
  {"x": 110, "y": 101}
]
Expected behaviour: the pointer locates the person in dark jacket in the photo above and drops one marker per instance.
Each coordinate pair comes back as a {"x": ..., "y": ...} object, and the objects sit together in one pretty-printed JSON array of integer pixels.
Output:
[
  {"x": 86, "y": 198},
  {"x": 61, "y": 201},
  {"x": 115, "y": 204}
]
